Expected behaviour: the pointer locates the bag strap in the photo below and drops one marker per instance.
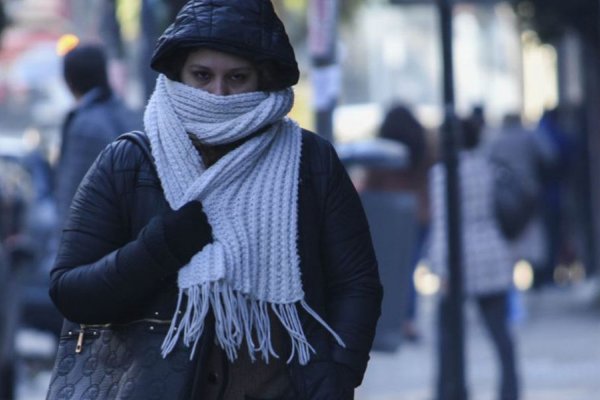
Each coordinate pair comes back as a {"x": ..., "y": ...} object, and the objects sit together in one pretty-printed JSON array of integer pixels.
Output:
[{"x": 141, "y": 140}]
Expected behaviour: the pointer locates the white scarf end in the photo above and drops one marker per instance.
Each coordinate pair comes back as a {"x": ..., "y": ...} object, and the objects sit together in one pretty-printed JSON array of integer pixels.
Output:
[{"x": 239, "y": 319}]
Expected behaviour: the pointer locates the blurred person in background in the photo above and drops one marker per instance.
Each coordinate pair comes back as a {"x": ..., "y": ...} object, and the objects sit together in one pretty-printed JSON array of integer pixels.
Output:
[
  {"x": 155, "y": 16},
  {"x": 98, "y": 117},
  {"x": 8, "y": 318},
  {"x": 487, "y": 259},
  {"x": 554, "y": 177},
  {"x": 528, "y": 153},
  {"x": 3, "y": 20},
  {"x": 37, "y": 311},
  {"x": 241, "y": 227},
  {"x": 16, "y": 195},
  {"x": 401, "y": 125}
]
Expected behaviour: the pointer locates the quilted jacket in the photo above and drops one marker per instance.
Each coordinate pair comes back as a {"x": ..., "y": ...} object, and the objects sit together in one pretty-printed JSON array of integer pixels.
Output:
[{"x": 113, "y": 259}]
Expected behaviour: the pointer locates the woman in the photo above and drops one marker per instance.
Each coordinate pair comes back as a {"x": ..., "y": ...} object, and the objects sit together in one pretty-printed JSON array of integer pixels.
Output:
[
  {"x": 487, "y": 260},
  {"x": 399, "y": 124},
  {"x": 245, "y": 231}
]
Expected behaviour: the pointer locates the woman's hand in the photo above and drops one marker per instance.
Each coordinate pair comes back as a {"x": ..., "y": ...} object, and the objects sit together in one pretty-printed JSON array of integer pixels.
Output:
[{"x": 187, "y": 231}]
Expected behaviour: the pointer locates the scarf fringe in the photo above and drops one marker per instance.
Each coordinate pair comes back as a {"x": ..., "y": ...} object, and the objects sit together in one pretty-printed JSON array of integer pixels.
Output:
[{"x": 237, "y": 318}]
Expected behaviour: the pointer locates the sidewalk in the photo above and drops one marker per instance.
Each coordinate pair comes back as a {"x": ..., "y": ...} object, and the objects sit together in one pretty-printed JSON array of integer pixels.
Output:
[{"x": 558, "y": 348}]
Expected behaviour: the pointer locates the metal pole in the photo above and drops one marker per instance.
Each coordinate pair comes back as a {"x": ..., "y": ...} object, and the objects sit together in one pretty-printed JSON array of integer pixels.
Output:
[
  {"x": 325, "y": 73},
  {"x": 452, "y": 370}
]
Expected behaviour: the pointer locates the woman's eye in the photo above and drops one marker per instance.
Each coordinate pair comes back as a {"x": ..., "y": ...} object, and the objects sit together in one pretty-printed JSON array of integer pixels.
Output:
[
  {"x": 201, "y": 75},
  {"x": 238, "y": 77}
]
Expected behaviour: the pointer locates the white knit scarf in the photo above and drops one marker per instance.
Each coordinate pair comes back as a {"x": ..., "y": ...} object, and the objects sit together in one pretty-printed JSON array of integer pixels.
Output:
[{"x": 250, "y": 197}]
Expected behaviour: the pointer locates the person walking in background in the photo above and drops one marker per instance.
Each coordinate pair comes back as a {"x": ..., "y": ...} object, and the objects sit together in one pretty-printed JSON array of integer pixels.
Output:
[
  {"x": 155, "y": 16},
  {"x": 3, "y": 20},
  {"x": 402, "y": 126},
  {"x": 528, "y": 154},
  {"x": 487, "y": 259},
  {"x": 554, "y": 176},
  {"x": 237, "y": 227},
  {"x": 98, "y": 117}
]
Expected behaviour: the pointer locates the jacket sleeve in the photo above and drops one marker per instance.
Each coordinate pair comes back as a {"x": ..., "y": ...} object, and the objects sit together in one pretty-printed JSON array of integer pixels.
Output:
[
  {"x": 354, "y": 291},
  {"x": 101, "y": 273}
]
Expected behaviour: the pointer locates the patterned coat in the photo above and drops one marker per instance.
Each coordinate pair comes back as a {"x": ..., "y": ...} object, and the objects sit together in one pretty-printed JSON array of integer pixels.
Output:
[{"x": 487, "y": 260}]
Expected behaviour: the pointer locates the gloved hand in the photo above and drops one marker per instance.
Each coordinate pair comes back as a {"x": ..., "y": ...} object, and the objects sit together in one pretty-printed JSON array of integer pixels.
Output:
[
  {"x": 187, "y": 231},
  {"x": 326, "y": 380}
]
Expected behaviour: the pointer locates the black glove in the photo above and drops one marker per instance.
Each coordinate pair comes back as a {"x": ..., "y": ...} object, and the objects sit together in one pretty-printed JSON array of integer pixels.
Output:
[
  {"x": 326, "y": 380},
  {"x": 187, "y": 231}
]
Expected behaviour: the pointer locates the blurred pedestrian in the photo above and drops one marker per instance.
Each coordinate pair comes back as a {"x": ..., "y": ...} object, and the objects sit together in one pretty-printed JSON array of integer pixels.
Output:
[
  {"x": 16, "y": 194},
  {"x": 155, "y": 16},
  {"x": 402, "y": 126},
  {"x": 487, "y": 260},
  {"x": 528, "y": 153},
  {"x": 239, "y": 230},
  {"x": 9, "y": 317},
  {"x": 555, "y": 175},
  {"x": 98, "y": 117},
  {"x": 3, "y": 20}
]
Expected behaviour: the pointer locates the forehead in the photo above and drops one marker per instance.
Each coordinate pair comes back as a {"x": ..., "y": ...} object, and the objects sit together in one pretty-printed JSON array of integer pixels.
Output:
[{"x": 216, "y": 59}]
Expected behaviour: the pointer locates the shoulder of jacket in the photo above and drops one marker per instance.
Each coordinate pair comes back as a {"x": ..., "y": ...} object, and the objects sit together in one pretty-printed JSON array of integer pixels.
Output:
[
  {"x": 312, "y": 139},
  {"x": 126, "y": 155},
  {"x": 92, "y": 116},
  {"x": 318, "y": 154}
]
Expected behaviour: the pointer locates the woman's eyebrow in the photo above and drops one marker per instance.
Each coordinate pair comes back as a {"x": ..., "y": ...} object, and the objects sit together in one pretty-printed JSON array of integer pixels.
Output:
[
  {"x": 248, "y": 68},
  {"x": 200, "y": 65}
]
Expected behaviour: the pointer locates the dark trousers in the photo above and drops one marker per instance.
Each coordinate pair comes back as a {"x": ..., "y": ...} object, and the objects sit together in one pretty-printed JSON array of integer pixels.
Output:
[
  {"x": 494, "y": 312},
  {"x": 411, "y": 305}
]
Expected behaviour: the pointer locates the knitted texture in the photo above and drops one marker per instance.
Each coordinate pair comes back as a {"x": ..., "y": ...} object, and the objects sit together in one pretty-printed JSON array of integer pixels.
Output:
[{"x": 250, "y": 197}]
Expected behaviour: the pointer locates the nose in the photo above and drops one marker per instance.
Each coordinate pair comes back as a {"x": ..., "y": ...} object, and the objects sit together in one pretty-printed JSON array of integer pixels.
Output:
[{"x": 219, "y": 87}]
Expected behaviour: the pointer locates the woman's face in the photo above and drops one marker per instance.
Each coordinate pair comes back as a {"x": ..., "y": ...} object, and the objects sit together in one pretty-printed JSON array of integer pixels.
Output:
[{"x": 219, "y": 73}]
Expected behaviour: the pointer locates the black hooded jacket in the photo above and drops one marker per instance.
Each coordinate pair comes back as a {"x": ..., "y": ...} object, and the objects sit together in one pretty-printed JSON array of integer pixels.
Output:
[{"x": 114, "y": 264}]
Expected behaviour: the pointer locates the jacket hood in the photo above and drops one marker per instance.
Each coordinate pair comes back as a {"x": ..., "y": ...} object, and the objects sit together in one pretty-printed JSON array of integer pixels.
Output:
[{"x": 247, "y": 28}]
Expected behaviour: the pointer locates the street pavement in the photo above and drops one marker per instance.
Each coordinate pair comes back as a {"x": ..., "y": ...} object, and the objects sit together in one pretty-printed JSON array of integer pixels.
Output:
[
  {"x": 558, "y": 350},
  {"x": 558, "y": 346}
]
